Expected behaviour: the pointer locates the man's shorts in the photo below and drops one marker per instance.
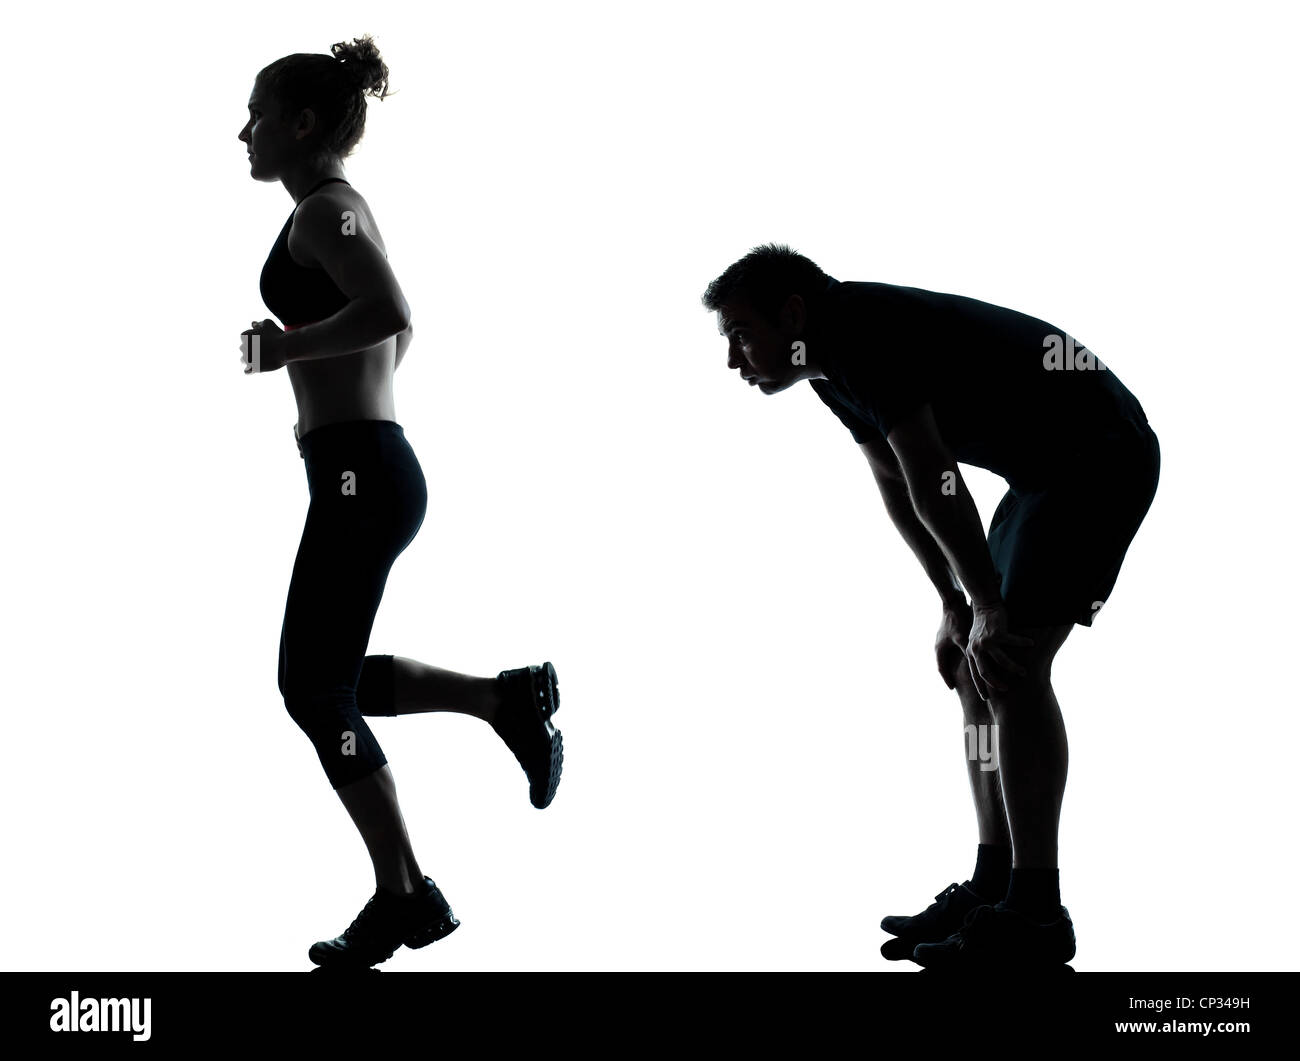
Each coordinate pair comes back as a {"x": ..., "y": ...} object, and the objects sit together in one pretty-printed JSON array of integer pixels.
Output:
[{"x": 1058, "y": 550}]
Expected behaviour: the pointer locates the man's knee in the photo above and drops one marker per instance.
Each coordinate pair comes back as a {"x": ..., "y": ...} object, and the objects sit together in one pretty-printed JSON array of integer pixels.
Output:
[
  {"x": 1037, "y": 658},
  {"x": 963, "y": 681},
  {"x": 1023, "y": 692}
]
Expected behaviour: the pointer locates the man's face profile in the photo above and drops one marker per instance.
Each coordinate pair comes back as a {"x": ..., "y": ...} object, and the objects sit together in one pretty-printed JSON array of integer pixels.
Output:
[{"x": 759, "y": 350}]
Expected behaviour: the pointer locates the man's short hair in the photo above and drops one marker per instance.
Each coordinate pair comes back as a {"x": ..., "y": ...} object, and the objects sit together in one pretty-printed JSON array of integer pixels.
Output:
[{"x": 766, "y": 277}]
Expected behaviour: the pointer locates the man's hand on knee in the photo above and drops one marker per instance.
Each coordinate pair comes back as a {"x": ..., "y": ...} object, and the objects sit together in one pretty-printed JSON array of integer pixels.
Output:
[
  {"x": 991, "y": 665},
  {"x": 950, "y": 645}
]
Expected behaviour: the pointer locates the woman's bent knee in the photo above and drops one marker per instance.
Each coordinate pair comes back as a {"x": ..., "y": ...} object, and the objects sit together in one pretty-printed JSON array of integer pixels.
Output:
[{"x": 345, "y": 745}]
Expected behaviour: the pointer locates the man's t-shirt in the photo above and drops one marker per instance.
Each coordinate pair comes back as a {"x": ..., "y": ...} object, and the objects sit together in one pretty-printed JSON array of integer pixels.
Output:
[{"x": 1009, "y": 392}]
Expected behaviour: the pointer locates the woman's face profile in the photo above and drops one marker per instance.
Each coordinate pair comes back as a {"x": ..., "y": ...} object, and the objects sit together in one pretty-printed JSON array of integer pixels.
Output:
[{"x": 268, "y": 138}]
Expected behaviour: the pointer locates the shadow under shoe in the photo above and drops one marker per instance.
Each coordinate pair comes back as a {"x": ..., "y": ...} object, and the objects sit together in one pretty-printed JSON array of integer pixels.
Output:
[
  {"x": 385, "y": 923},
  {"x": 997, "y": 937},
  {"x": 934, "y": 924},
  {"x": 529, "y": 697}
]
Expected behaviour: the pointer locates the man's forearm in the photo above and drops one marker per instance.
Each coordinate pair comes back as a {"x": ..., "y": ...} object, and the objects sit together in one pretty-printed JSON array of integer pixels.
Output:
[
  {"x": 357, "y": 326},
  {"x": 898, "y": 503},
  {"x": 954, "y": 522}
]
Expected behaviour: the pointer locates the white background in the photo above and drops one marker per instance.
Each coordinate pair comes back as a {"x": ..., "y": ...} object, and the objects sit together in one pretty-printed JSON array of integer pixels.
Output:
[{"x": 761, "y": 760}]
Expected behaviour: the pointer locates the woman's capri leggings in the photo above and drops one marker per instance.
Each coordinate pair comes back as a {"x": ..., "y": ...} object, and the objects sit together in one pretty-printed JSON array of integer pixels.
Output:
[{"x": 368, "y": 500}]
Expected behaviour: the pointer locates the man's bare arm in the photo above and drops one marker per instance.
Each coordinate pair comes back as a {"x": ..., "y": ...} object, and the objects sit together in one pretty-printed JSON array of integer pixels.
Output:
[
  {"x": 944, "y": 505},
  {"x": 898, "y": 503}
]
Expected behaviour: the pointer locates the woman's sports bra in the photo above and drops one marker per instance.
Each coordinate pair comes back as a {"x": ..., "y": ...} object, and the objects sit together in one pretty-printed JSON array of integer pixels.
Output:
[{"x": 295, "y": 293}]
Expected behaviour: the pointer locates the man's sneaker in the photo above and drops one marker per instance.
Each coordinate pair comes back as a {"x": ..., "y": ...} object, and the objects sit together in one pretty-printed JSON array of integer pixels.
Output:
[
  {"x": 936, "y": 922},
  {"x": 999, "y": 937},
  {"x": 385, "y": 923},
  {"x": 529, "y": 697}
]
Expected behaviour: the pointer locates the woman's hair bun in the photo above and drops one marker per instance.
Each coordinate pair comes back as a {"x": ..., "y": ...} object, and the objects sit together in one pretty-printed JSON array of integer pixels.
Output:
[{"x": 361, "y": 61}]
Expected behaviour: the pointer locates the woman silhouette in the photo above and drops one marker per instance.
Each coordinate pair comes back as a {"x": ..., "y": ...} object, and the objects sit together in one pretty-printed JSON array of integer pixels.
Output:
[{"x": 347, "y": 327}]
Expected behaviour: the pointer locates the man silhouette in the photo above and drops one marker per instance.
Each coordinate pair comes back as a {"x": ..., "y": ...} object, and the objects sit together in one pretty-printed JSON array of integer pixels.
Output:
[{"x": 923, "y": 381}]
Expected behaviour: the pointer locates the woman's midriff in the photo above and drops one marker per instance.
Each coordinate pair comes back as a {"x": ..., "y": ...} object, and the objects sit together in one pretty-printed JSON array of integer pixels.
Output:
[{"x": 355, "y": 386}]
